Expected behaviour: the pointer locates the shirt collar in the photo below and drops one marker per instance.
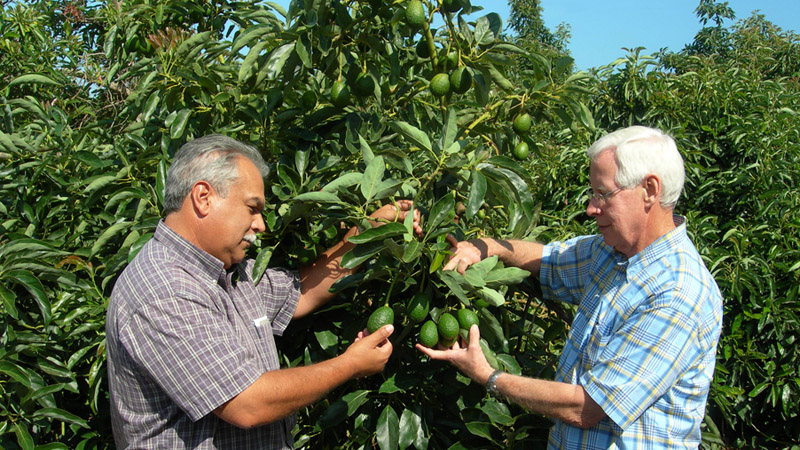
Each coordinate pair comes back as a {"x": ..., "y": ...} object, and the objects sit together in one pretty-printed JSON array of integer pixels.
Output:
[
  {"x": 661, "y": 246},
  {"x": 203, "y": 261}
]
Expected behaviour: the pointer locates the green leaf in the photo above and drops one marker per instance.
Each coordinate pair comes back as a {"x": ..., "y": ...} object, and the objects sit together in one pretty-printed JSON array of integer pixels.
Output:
[
  {"x": 251, "y": 34},
  {"x": 513, "y": 183},
  {"x": 412, "y": 251},
  {"x": 9, "y": 302},
  {"x": 52, "y": 446},
  {"x": 150, "y": 106},
  {"x": 442, "y": 211},
  {"x": 481, "y": 429},
  {"x": 343, "y": 181},
  {"x": 411, "y": 430},
  {"x": 327, "y": 341},
  {"x": 387, "y": 432},
  {"x": 317, "y": 197},
  {"x": 483, "y": 267},
  {"x": 246, "y": 69},
  {"x": 178, "y": 126},
  {"x": 60, "y": 414},
  {"x": 378, "y": 234},
  {"x": 354, "y": 400},
  {"x": 450, "y": 129},
  {"x": 413, "y": 134},
  {"x": 453, "y": 280},
  {"x": 303, "y": 48},
  {"x": 99, "y": 183},
  {"x": 474, "y": 278},
  {"x": 33, "y": 79},
  {"x": 34, "y": 287},
  {"x": 261, "y": 263},
  {"x": 387, "y": 188},
  {"x": 506, "y": 276},
  {"x": 109, "y": 233},
  {"x": 366, "y": 151},
  {"x": 510, "y": 164},
  {"x": 497, "y": 412},
  {"x": 16, "y": 373},
  {"x": 491, "y": 296},
  {"x": 373, "y": 176},
  {"x": 189, "y": 48},
  {"x": 476, "y": 194},
  {"x": 277, "y": 59},
  {"x": 54, "y": 368},
  {"x": 361, "y": 253},
  {"x": 390, "y": 386},
  {"x": 24, "y": 438}
]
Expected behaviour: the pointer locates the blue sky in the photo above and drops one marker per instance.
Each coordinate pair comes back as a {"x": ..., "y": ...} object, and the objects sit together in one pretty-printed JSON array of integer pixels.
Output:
[{"x": 600, "y": 29}]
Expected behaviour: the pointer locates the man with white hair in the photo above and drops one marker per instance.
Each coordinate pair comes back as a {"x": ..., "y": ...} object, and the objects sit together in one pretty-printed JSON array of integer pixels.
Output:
[{"x": 639, "y": 359}]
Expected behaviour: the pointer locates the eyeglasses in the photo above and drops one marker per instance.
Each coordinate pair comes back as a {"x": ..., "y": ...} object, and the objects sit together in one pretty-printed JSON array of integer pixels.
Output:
[{"x": 601, "y": 199}]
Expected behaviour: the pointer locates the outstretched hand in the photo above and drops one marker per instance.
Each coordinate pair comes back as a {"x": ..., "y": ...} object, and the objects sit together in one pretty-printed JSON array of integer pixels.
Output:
[
  {"x": 370, "y": 352},
  {"x": 464, "y": 254},
  {"x": 396, "y": 212},
  {"x": 469, "y": 359}
]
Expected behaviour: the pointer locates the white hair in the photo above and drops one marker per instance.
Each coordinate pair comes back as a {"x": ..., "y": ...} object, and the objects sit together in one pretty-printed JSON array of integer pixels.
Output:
[{"x": 640, "y": 151}]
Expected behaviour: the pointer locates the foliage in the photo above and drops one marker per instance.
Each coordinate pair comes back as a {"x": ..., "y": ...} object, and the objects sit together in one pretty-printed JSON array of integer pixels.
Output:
[
  {"x": 89, "y": 126},
  {"x": 95, "y": 98}
]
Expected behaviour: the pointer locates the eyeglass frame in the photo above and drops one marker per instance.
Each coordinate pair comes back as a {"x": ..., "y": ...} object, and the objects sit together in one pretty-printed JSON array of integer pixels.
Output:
[{"x": 602, "y": 199}]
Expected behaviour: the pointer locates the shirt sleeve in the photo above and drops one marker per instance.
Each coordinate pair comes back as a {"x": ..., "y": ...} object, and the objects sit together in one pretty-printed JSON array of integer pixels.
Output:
[
  {"x": 564, "y": 269},
  {"x": 641, "y": 360},
  {"x": 186, "y": 344}
]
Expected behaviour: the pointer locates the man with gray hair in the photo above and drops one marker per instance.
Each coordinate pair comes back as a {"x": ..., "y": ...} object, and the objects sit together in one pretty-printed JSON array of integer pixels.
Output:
[
  {"x": 192, "y": 361},
  {"x": 636, "y": 367}
]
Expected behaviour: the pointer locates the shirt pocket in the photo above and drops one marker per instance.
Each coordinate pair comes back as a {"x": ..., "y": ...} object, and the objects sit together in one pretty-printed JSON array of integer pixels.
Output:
[{"x": 265, "y": 344}]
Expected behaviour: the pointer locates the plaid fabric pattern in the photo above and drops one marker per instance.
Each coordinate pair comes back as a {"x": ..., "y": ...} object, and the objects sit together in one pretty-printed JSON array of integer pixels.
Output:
[
  {"x": 182, "y": 340},
  {"x": 642, "y": 343}
]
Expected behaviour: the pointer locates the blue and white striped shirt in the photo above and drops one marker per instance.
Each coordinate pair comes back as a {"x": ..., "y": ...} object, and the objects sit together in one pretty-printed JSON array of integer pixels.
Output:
[{"x": 642, "y": 343}]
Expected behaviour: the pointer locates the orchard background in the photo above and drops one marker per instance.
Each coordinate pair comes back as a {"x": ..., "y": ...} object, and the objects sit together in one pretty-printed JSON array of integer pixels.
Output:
[{"x": 96, "y": 96}]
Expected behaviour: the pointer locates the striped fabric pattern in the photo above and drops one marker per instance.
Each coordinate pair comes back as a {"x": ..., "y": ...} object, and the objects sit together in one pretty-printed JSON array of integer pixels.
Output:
[{"x": 642, "y": 343}]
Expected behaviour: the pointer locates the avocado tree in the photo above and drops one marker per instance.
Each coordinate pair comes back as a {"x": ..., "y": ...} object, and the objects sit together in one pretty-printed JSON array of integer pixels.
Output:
[{"x": 354, "y": 104}]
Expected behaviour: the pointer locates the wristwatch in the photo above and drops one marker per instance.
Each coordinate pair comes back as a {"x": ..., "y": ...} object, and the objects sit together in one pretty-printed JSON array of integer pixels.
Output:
[{"x": 491, "y": 385}]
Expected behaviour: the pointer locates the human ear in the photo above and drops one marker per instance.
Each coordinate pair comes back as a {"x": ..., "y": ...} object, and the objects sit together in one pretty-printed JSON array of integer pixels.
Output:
[
  {"x": 201, "y": 198},
  {"x": 651, "y": 189}
]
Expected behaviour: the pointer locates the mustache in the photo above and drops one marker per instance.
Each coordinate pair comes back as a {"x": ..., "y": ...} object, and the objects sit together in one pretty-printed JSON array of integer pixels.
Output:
[{"x": 250, "y": 238}]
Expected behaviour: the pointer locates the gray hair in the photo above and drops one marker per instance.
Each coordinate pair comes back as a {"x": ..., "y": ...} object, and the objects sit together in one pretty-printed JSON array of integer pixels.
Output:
[
  {"x": 211, "y": 158},
  {"x": 640, "y": 151}
]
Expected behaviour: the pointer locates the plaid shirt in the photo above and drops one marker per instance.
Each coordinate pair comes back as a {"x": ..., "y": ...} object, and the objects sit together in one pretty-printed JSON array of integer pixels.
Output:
[
  {"x": 183, "y": 337},
  {"x": 643, "y": 341}
]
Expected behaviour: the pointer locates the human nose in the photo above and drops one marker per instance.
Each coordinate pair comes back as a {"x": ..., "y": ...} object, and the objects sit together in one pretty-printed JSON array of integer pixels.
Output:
[
  {"x": 258, "y": 224},
  {"x": 593, "y": 208}
]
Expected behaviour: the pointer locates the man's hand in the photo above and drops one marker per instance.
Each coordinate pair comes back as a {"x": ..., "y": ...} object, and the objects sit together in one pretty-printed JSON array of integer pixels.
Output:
[
  {"x": 396, "y": 212},
  {"x": 369, "y": 353},
  {"x": 465, "y": 254},
  {"x": 470, "y": 360}
]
